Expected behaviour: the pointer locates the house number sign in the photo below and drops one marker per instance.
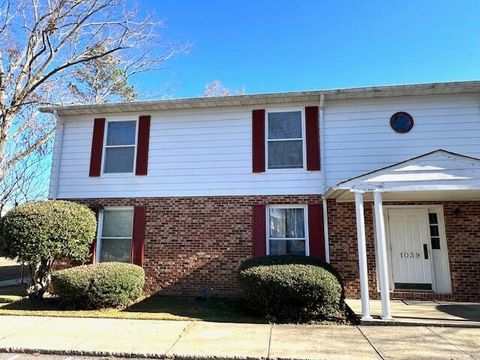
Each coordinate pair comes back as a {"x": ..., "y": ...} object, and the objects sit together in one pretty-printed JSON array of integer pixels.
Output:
[{"x": 409, "y": 255}]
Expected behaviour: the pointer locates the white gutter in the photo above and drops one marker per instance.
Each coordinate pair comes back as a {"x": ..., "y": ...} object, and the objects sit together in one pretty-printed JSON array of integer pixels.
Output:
[
  {"x": 57, "y": 157},
  {"x": 269, "y": 99}
]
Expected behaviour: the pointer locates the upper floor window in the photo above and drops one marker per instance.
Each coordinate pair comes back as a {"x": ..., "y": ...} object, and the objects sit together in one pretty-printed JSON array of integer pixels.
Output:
[
  {"x": 287, "y": 234},
  {"x": 120, "y": 147},
  {"x": 285, "y": 140},
  {"x": 116, "y": 235}
]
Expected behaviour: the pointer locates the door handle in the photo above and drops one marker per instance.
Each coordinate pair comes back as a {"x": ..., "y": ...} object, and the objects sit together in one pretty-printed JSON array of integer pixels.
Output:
[{"x": 425, "y": 251}]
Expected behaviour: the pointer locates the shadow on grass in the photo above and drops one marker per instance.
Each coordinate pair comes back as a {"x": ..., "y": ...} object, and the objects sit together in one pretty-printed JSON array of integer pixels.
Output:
[
  {"x": 13, "y": 301},
  {"x": 209, "y": 309}
]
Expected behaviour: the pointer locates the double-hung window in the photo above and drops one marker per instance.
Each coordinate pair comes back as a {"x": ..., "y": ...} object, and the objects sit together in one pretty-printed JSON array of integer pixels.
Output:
[
  {"x": 287, "y": 234},
  {"x": 116, "y": 235},
  {"x": 285, "y": 140},
  {"x": 120, "y": 146}
]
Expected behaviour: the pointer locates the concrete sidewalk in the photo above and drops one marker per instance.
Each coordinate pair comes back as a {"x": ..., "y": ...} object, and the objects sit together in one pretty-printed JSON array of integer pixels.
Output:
[{"x": 187, "y": 339}]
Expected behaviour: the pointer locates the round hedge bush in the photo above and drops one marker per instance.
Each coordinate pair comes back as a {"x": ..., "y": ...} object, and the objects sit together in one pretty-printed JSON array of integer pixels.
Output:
[
  {"x": 291, "y": 288},
  {"x": 97, "y": 286},
  {"x": 41, "y": 232}
]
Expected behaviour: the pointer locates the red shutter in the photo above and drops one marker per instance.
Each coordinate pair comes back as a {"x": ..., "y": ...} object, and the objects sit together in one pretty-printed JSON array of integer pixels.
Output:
[
  {"x": 315, "y": 231},
  {"x": 138, "y": 235},
  {"x": 97, "y": 147},
  {"x": 142, "y": 145},
  {"x": 259, "y": 233},
  {"x": 312, "y": 138},
  {"x": 93, "y": 245},
  {"x": 258, "y": 140}
]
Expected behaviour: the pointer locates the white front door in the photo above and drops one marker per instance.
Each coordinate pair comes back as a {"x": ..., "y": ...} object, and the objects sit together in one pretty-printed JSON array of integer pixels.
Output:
[{"x": 410, "y": 249}]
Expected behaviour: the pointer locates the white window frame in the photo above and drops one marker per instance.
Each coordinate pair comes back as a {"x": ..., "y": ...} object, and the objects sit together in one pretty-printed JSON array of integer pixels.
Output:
[
  {"x": 98, "y": 248},
  {"x": 305, "y": 224},
  {"x": 303, "y": 139},
  {"x": 104, "y": 152}
]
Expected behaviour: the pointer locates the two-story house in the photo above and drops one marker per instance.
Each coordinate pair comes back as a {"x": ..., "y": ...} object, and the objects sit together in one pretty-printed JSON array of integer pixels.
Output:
[{"x": 382, "y": 182}]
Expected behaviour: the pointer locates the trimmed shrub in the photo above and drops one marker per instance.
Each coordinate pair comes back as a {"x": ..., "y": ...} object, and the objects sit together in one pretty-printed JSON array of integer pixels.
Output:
[
  {"x": 41, "y": 232},
  {"x": 99, "y": 286},
  {"x": 291, "y": 288}
]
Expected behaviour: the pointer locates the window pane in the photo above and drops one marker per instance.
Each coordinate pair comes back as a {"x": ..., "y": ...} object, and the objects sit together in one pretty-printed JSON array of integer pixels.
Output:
[
  {"x": 119, "y": 160},
  {"x": 285, "y": 125},
  {"x": 287, "y": 223},
  {"x": 434, "y": 230},
  {"x": 433, "y": 219},
  {"x": 117, "y": 223},
  {"x": 287, "y": 247},
  {"x": 116, "y": 250},
  {"x": 285, "y": 154},
  {"x": 436, "y": 243},
  {"x": 121, "y": 132}
]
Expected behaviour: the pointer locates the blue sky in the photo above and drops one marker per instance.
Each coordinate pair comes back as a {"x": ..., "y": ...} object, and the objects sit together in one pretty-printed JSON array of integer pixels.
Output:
[{"x": 270, "y": 46}]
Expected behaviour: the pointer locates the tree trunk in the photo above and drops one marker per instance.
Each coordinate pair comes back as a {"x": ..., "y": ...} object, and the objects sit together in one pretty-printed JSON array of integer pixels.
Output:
[{"x": 39, "y": 279}]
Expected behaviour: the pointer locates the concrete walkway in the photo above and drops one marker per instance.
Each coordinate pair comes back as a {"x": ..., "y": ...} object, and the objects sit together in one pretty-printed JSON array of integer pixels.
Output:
[
  {"x": 187, "y": 339},
  {"x": 427, "y": 313}
]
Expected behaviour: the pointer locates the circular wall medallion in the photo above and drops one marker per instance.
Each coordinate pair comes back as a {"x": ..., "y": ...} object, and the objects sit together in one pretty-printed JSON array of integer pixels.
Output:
[{"x": 401, "y": 122}]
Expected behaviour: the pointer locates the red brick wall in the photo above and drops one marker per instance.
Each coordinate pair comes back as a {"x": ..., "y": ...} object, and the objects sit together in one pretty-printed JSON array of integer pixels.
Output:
[
  {"x": 463, "y": 243},
  {"x": 198, "y": 242}
]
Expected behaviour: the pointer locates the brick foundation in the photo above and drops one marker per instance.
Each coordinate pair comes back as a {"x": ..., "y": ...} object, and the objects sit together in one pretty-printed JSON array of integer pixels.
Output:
[
  {"x": 463, "y": 242},
  {"x": 198, "y": 242}
]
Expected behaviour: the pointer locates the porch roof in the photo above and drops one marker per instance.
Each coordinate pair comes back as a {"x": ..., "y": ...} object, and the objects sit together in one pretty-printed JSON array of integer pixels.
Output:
[{"x": 437, "y": 175}]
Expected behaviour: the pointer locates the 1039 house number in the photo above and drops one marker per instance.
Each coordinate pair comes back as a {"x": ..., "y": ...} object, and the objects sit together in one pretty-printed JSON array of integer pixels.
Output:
[{"x": 409, "y": 255}]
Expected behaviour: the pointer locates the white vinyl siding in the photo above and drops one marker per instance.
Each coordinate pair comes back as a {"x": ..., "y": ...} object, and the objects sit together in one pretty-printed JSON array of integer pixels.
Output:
[
  {"x": 197, "y": 153},
  {"x": 358, "y": 137},
  {"x": 209, "y": 152}
]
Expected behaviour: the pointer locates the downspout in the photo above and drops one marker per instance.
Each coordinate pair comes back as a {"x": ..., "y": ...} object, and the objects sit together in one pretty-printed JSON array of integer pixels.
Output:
[
  {"x": 57, "y": 157},
  {"x": 324, "y": 178},
  {"x": 322, "y": 142},
  {"x": 325, "y": 230}
]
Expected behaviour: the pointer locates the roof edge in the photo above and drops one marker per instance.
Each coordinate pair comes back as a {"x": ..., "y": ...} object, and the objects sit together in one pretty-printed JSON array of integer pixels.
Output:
[{"x": 270, "y": 98}]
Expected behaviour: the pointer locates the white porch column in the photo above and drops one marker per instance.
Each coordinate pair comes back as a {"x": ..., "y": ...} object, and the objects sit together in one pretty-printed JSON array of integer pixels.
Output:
[
  {"x": 382, "y": 255},
  {"x": 362, "y": 255}
]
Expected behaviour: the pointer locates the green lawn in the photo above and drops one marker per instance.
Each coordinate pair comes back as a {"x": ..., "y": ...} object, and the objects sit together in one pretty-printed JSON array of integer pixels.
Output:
[{"x": 14, "y": 302}]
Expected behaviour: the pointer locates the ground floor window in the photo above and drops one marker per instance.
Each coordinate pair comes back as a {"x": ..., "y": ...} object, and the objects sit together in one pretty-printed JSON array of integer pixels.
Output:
[
  {"x": 287, "y": 234},
  {"x": 115, "y": 241}
]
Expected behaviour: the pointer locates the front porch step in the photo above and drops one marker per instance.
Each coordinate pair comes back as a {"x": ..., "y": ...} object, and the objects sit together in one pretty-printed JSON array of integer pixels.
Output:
[{"x": 418, "y": 313}]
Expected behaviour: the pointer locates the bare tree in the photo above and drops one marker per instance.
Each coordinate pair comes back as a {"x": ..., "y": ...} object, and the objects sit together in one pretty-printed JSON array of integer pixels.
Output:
[
  {"x": 56, "y": 51},
  {"x": 26, "y": 181},
  {"x": 100, "y": 80},
  {"x": 216, "y": 88}
]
